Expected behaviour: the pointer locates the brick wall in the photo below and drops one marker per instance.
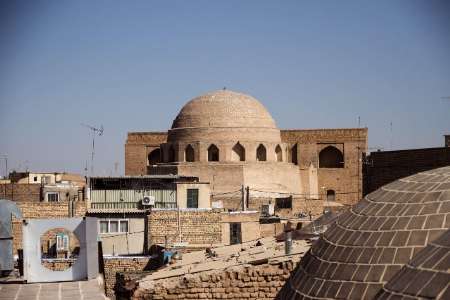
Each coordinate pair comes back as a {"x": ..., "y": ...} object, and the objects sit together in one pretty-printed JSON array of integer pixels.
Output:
[
  {"x": 196, "y": 227},
  {"x": 115, "y": 265},
  {"x": 22, "y": 192},
  {"x": 137, "y": 148},
  {"x": 241, "y": 282},
  {"x": 383, "y": 167}
]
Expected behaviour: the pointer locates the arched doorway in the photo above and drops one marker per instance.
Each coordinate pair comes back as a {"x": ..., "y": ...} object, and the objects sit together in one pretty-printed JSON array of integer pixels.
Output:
[
  {"x": 154, "y": 157},
  {"x": 261, "y": 153},
  {"x": 213, "y": 153},
  {"x": 331, "y": 195},
  {"x": 331, "y": 157},
  {"x": 189, "y": 154},
  {"x": 294, "y": 155},
  {"x": 279, "y": 153},
  {"x": 238, "y": 153}
]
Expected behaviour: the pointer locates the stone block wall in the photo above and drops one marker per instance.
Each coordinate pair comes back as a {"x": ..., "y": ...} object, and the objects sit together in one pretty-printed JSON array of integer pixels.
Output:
[
  {"x": 202, "y": 227},
  {"x": 119, "y": 264},
  {"x": 241, "y": 282}
]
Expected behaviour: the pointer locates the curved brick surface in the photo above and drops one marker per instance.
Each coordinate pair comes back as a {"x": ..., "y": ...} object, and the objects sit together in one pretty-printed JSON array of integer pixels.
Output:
[
  {"x": 375, "y": 239},
  {"x": 224, "y": 116},
  {"x": 427, "y": 275}
]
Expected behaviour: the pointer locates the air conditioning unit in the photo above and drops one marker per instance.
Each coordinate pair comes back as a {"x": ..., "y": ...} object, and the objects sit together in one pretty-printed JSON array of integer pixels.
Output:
[
  {"x": 148, "y": 201},
  {"x": 268, "y": 209}
]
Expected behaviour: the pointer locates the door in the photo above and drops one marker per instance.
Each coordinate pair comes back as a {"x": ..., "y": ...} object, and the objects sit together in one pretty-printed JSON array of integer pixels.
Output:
[{"x": 235, "y": 233}]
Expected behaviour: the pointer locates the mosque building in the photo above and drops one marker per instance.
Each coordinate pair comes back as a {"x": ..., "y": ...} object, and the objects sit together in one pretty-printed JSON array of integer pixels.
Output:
[{"x": 231, "y": 141}]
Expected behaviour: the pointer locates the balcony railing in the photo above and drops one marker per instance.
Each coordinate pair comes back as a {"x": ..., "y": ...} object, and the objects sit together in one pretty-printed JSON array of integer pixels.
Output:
[{"x": 130, "y": 205}]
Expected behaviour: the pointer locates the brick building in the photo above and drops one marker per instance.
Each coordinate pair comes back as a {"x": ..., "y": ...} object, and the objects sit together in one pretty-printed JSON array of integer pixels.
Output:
[{"x": 230, "y": 140}]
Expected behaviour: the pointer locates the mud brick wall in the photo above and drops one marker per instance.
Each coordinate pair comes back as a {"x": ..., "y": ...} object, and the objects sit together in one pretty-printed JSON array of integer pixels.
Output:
[
  {"x": 58, "y": 265},
  {"x": 115, "y": 265},
  {"x": 242, "y": 282},
  {"x": 196, "y": 227},
  {"x": 20, "y": 192}
]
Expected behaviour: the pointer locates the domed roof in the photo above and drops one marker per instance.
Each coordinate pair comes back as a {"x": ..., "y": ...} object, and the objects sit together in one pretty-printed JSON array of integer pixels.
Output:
[
  {"x": 426, "y": 276},
  {"x": 373, "y": 240},
  {"x": 223, "y": 108}
]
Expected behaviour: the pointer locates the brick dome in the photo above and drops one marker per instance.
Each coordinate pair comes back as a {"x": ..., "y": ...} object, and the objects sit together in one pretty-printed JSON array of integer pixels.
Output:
[
  {"x": 426, "y": 276},
  {"x": 373, "y": 240},
  {"x": 212, "y": 115}
]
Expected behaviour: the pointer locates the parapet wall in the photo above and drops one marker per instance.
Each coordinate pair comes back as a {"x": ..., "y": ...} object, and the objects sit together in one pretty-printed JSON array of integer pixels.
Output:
[
  {"x": 117, "y": 264},
  {"x": 241, "y": 282}
]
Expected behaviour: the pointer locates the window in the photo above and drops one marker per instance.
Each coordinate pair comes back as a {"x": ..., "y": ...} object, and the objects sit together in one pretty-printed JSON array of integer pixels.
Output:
[
  {"x": 52, "y": 197},
  {"x": 113, "y": 226},
  {"x": 283, "y": 203},
  {"x": 192, "y": 198},
  {"x": 213, "y": 153},
  {"x": 261, "y": 153},
  {"x": 35, "y": 178},
  {"x": 238, "y": 153},
  {"x": 62, "y": 242},
  {"x": 331, "y": 157},
  {"x": 279, "y": 153},
  {"x": 189, "y": 154},
  {"x": 154, "y": 157},
  {"x": 104, "y": 226}
]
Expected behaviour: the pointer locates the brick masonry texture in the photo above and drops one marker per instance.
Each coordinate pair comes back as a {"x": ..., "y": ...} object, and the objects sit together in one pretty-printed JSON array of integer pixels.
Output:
[
  {"x": 21, "y": 192},
  {"x": 375, "y": 239},
  {"x": 197, "y": 227},
  {"x": 116, "y": 265},
  {"x": 426, "y": 276},
  {"x": 241, "y": 282},
  {"x": 384, "y": 167}
]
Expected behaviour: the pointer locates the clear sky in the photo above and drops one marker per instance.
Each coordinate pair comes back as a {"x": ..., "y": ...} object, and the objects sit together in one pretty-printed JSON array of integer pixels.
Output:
[{"x": 131, "y": 65}]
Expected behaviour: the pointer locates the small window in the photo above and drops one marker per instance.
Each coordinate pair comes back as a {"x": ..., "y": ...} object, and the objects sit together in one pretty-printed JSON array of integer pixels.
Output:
[
  {"x": 192, "y": 198},
  {"x": 62, "y": 242},
  {"x": 283, "y": 203},
  {"x": 35, "y": 179},
  {"x": 189, "y": 154},
  {"x": 123, "y": 225},
  {"x": 104, "y": 226},
  {"x": 52, "y": 197},
  {"x": 113, "y": 226}
]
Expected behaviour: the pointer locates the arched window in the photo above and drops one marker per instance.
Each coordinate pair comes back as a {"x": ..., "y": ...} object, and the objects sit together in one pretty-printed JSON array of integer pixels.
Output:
[
  {"x": 238, "y": 153},
  {"x": 294, "y": 155},
  {"x": 261, "y": 154},
  {"x": 331, "y": 157},
  {"x": 189, "y": 154},
  {"x": 279, "y": 153},
  {"x": 331, "y": 195},
  {"x": 213, "y": 153},
  {"x": 171, "y": 157},
  {"x": 154, "y": 157}
]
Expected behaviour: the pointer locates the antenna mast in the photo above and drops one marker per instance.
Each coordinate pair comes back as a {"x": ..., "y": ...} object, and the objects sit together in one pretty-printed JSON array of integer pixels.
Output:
[{"x": 95, "y": 131}]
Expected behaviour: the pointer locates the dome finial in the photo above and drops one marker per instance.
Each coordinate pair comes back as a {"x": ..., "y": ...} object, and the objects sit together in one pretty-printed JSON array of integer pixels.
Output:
[{"x": 224, "y": 88}]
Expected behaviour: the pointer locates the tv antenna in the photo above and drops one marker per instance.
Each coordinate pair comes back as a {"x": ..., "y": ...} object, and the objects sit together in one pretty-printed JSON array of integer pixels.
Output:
[{"x": 95, "y": 131}]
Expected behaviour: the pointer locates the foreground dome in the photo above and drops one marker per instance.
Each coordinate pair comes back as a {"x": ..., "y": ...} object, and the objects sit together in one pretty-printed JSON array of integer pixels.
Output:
[
  {"x": 427, "y": 276},
  {"x": 370, "y": 243},
  {"x": 224, "y": 115}
]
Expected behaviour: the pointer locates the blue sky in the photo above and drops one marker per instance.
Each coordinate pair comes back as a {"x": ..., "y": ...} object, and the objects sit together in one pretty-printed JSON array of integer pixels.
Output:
[{"x": 131, "y": 65}]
